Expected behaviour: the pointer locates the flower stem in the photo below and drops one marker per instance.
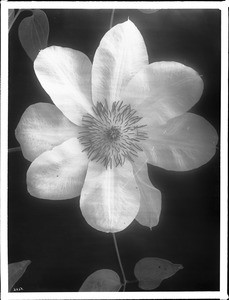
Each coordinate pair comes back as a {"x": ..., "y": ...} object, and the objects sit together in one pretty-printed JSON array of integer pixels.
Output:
[
  {"x": 120, "y": 262},
  {"x": 16, "y": 149},
  {"x": 112, "y": 18}
]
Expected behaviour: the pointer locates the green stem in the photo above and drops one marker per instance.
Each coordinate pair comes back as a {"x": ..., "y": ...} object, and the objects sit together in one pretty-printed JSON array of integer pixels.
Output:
[
  {"x": 16, "y": 149},
  {"x": 112, "y": 18},
  {"x": 124, "y": 287},
  {"x": 120, "y": 262},
  {"x": 17, "y": 14}
]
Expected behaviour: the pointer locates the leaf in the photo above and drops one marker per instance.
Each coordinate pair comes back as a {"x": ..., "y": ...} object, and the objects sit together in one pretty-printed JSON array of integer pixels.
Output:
[
  {"x": 149, "y": 11},
  {"x": 11, "y": 13},
  {"x": 151, "y": 271},
  {"x": 102, "y": 281},
  {"x": 33, "y": 33},
  {"x": 16, "y": 270}
]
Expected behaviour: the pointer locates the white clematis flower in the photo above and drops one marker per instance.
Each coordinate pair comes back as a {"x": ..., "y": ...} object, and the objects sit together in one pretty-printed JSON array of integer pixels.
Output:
[{"x": 110, "y": 119}]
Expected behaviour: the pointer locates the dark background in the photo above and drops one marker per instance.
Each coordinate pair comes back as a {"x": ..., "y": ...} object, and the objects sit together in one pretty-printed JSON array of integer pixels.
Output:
[{"x": 63, "y": 248}]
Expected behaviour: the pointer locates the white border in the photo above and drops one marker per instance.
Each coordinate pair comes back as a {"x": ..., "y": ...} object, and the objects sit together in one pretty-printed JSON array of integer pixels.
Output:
[
  {"x": 4, "y": 147},
  {"x": 223, "y": 6},
  {"x": 116, "y": 4},
  {"x": 224, "y": 151},
  {"x": 120, "y": 295}
]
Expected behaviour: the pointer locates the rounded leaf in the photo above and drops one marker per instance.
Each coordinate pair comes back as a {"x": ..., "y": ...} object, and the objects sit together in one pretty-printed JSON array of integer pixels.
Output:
[
  {"x": 104, "y": 280},
  {"x": 151, "y": 271},
  {"x": 33, "y": 33}
]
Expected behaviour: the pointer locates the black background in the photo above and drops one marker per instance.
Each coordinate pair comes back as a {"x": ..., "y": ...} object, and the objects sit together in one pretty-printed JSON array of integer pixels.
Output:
[{"x": 63, "y": 248}]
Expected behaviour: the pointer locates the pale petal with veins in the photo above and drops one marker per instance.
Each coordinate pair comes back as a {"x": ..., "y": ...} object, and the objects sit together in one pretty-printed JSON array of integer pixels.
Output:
[
  {"x": 42, "y": 127},
  {"x": 110, "y": 197},
  {"x": 58, "y": 174},
  {"x": 150, "y": 201},
  {"x": 183, "y": 143},
  {"x": 163, "y": 90},
  {"x": 65, "y": 74},
  {"x": 120, "y": 55}
]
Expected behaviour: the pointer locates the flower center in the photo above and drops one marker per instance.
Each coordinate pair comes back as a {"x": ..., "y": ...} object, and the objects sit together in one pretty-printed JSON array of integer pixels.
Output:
[
  {"x": 113, "y": 133},
  {"x": 111, "y": 136}
]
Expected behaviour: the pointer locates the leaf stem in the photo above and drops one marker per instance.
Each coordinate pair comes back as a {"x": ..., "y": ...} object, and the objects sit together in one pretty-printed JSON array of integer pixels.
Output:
[
  {"x": 15, "y": 149},
  {"x": 15, "y": 18},
  {"x": 120, "y": 262},
  {"x": 112, "y": 18}
]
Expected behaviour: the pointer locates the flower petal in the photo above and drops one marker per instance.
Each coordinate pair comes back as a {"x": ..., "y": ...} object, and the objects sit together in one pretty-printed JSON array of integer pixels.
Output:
[
  {"x": 58, "y": 174},
  {"x": 150, "y": 202},
  {"x": 120, "y": 55},
  {"x": 184, "y": 143},
  {"x": 163, "y": 90},
  {"x": 110, "y": 197},
  {"x": 41, "y": 127},
  {"x": 65, "y": 74}
]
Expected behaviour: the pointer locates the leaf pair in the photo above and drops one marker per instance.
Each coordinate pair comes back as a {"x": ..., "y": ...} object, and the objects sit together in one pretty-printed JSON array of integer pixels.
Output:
[{"x": 149, "y": 271}]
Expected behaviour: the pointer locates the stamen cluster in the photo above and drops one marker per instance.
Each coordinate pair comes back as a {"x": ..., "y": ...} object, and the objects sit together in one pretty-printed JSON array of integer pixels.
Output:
[{"x": 111, "y": 136}]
